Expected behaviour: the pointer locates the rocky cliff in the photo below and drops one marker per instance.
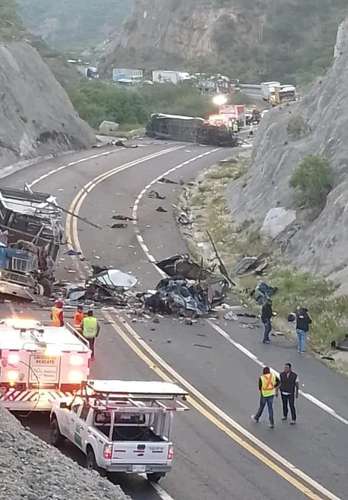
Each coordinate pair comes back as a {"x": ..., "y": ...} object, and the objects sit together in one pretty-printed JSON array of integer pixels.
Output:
[
  {"x": 322, "y": 120},
  {"x": 37, "y": 117},
  {"x": 249, "y": 39}
]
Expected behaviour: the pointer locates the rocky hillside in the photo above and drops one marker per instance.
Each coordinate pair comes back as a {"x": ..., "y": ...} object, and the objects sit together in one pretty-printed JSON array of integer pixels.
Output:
[
  {"x": 321, "y": 120},
  {"x": 290, "y": 40},
  {"x": 68, "y": 25},
  {"x": 37, "y": 116},
  {"x": 31, "y": 469}
]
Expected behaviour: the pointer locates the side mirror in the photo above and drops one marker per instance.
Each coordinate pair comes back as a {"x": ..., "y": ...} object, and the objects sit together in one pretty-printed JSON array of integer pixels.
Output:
[{"x": 64, "y": 405}]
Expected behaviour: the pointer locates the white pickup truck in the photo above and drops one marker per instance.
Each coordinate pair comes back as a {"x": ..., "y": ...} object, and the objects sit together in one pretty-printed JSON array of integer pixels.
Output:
[{"x": 121, "y": 426}]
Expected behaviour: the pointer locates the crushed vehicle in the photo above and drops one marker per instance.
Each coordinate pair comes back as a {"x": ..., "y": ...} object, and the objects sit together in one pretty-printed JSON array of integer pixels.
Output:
[
  {"x": 31, "y": 235},
  {"x": 189, "y": 290},
  {"x": 40, "y": 364},
  {"x": 190, "y": 129},
  {"x": 121, "y": 426},
  {"x": 105, "y": 285}
]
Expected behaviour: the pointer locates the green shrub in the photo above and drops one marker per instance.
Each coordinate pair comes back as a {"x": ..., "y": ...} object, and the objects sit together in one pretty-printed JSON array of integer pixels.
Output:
[
  {"x": 297, "y": 127},
  {"x": 312, "y": 181}
]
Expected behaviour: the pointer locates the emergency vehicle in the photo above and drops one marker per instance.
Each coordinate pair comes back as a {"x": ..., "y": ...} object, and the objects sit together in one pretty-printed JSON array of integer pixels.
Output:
[
  {"x": 40, "y": 364},
  {"x": 121, "y": 426}
]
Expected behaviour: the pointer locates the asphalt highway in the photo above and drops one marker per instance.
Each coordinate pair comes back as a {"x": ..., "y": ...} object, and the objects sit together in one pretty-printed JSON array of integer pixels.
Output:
[{"x": 220, "y": 453}]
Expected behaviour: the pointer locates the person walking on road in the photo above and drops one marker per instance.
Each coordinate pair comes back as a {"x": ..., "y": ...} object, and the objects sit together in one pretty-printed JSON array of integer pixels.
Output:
[
  {"x": 78, "y": 318},
  {"x": 57, "y": 314},
  {"x": 268, "y": 387},
  {"x": 266, "y": 318},
  {"x": 90, "y": 329},
  {"x": 303, "y": 321},
  {"x": 289, "y": 387}
]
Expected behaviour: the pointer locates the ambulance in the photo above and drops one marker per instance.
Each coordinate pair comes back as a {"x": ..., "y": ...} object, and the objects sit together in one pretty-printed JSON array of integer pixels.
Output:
[{"x": 40, "y": 365}]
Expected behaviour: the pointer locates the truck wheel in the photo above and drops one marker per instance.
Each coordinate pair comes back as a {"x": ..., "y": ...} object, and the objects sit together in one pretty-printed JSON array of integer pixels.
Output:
[
  {"x": 154, "y": 477},
  {"x": 91, "y": 463},
  {"x": 56, "y": 437}
]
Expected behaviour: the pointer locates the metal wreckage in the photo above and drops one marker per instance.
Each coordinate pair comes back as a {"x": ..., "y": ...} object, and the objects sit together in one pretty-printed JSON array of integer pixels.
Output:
[
  {"x": 31, "y": 233},
  {"x": 189, "y": 290}
]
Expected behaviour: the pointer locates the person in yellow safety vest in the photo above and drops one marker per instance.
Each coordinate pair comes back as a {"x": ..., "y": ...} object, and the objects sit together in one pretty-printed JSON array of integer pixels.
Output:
[
  {"x": 268, "y": 387},
  {"x": 57, "y": 314},
  {"x": 90, "y": 329}
]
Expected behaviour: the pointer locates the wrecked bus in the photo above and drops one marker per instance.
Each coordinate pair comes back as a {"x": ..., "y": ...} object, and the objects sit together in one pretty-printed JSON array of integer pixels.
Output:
[
  {"x": 30, "y": 236},
  {"x": 189, "y": 129}
]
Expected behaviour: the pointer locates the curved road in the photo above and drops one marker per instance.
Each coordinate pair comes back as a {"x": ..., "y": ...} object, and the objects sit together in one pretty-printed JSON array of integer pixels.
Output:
[{"x": 220, "y": 453}]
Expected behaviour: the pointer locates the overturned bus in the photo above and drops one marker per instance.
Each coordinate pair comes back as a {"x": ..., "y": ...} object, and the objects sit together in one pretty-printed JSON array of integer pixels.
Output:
[
  {"x": 31, "y": 233},
  {"x": 190, "y": 129}
]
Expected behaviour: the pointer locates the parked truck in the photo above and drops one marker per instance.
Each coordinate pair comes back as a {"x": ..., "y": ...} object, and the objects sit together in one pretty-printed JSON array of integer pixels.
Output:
[
  {"x": 267, "y": 89},
  {"x": 121, "y": 426}
]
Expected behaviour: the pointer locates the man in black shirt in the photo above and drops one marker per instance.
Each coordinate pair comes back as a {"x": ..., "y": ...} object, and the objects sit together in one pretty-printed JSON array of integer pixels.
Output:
[
  {"x": 266, "y": 318},
  {"x": 289, "y": 388}
]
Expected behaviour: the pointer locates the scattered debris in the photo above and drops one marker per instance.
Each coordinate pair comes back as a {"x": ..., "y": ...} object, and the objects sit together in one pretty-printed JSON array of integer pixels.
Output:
[
  {"x": 231, "y": 316},
  {"x": 155, "y": 195},
  {"x": 161, "y": 209},
  {"x": 165, "y": 180},
  {"x": 72, "y": 253},
  {"x": 263, "y": 292},
  {"x": 203, "y": 345},
  {"x": 123, "y": 217},
  {"x": 182, "y": 266},
  {"x": 251, "y": 265},
  {"x": 184, "y": 219}
]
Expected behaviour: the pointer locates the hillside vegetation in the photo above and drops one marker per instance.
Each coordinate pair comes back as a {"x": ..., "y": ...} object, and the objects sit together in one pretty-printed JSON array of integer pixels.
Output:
[{"x": 70, "y": 24}]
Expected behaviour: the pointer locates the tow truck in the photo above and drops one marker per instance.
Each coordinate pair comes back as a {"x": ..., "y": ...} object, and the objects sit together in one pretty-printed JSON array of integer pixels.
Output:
[
  {"x": 121, "y": 426},
  {"x": 40, "y": 364}
]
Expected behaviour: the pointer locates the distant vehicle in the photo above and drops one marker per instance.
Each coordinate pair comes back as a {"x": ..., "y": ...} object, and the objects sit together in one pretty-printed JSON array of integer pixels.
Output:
[
  {"x": 121, "y": 426},
  {"x": 39, "y": 364},
  {"x": 267, "y": 89},
  {"x": 190, "y": 129},
  {"x": 31, "y": 233},
  {"x": 174, "y": 77},
  {"x": 283, "y": 94},
  {"x": 129, "y": 75}
]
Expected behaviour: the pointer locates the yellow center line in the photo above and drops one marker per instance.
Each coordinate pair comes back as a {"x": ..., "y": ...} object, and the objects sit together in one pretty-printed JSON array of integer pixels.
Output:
[{"x": 161, "y": 368}]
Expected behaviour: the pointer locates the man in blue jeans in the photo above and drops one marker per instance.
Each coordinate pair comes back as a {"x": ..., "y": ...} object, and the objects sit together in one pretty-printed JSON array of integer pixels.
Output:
[
  {"x": 266, "y": 318},
  {"x": 268, "y": 387},
  {"x": 303, "y": 320}
]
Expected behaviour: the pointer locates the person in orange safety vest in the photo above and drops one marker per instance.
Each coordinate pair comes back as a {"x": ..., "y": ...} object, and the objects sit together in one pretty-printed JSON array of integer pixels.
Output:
[
  {"x": 57, "y": 314},
  {"x": 78, "y": 317},
  {"x": 268, "y": 387}
]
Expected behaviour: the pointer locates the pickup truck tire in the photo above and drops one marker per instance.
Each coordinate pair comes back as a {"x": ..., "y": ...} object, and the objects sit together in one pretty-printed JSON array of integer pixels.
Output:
[
  {"x": 91, "y": 463},
  {"x": 56, "y": 438},
  {"x": 154, "y": 477}
]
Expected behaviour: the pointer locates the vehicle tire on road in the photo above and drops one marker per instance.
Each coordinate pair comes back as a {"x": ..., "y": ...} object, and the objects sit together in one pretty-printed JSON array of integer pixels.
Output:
[
  {"x": 56, "y": 438},
  {"x": 91, "y": 463},
  {"x": 154, "y": 477}
]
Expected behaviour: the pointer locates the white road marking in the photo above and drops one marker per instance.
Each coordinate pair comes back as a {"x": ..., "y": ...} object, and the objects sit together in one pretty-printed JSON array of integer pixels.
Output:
[
  {"x": 159, "y": 490},
  {"x": 307, "y": 396},
  {"x": 74, "y": 240},
  {"x": 144, "y": 191},
  {"x": 217, "y": 328}
]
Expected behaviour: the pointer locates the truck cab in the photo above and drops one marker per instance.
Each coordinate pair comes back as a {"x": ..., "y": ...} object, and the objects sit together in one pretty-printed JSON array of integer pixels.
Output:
[
  {"x": 40, "y": 364},
  {"x": 121, "y": 426}
]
